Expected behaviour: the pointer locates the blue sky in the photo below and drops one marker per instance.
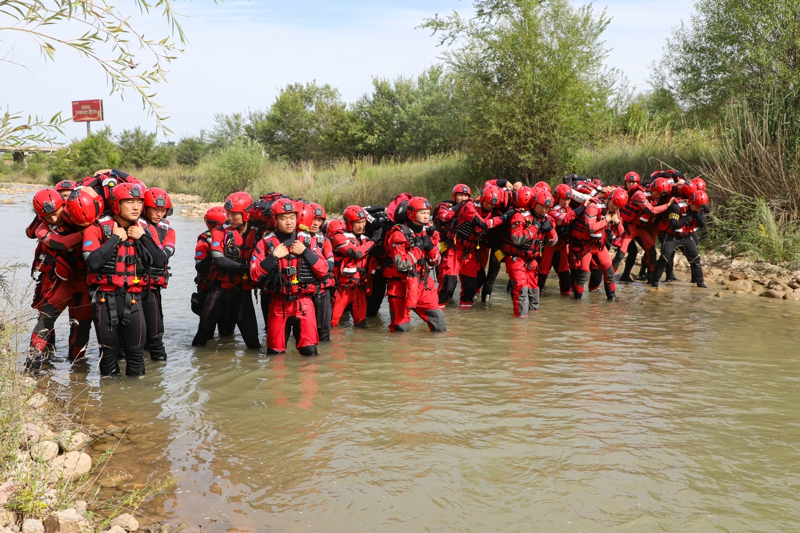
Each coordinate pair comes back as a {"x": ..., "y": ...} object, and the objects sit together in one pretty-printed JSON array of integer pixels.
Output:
[{"x": 240, "y": 53}]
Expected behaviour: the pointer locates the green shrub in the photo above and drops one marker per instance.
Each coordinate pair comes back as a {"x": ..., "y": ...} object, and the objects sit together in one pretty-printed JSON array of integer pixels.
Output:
[{"x": 232, "y": 168}]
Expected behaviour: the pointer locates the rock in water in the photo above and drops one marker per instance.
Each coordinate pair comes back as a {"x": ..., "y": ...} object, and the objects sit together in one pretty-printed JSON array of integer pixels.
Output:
[
  {"x": 126, "y": 522},
  {"x": 772, "y": 293},
  {"x": 739, "y": 285},
  {"x": 67, "y": 521},
  {"x": 794, "y": 295},
  {"x": 71, "y": 442}
]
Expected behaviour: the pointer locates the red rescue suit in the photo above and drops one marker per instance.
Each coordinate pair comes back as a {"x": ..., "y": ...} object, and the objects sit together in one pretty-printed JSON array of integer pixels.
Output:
[
  {"x": 557, "y": 255},
  {"x": 521, "y": 248},
  {"x": 590, "y": 233},
  {"x": 635, "y": 216},
  {"x": 63, "y": 285},
  {"x": 291, "y": 281},
  {"x": 413, "y": 255},
  {"x": 353, "y": 265}
]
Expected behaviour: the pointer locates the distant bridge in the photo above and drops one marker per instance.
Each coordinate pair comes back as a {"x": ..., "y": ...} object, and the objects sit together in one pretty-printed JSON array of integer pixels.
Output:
[{"x": 20, "y": 153}]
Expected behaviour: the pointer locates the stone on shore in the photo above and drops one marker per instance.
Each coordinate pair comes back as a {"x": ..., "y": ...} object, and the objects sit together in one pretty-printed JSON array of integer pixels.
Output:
[
  {"x": 66, "y": 521},
  {"x": 115, "y": 529},
  {"x": 126, "y": 522},
  {"x": 71, "y": 442},
  {"x": 733, "y": 276},
  {"x": 44, "y": 451},
  {"x": 31, "y": 433},
  {"x": 7, "y": 490},
  {"x": 6, "y": 517},
  {"x": 71, "y": 464},
  {"x": 793, "y": 295},
  {"x": 31, "y": 525},
  {"x": 37, "y": 400}
]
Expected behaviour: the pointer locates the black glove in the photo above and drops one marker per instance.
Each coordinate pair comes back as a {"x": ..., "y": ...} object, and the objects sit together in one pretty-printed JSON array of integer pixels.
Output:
[
  {"x": 354, "y": 254},
  {"x": 425, "y": 243},
  {"x": 545, "y": 226},
  {"x": 376, "y": 235},
  {"x": 477, "y": 221}
]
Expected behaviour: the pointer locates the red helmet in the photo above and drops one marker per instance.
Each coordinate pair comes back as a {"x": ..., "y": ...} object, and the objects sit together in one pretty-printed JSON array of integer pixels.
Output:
[
  {"x": 355, "y": 213},
  {"x": 699, "y": 183},
  {"x": 125, "y": 191},
  {"x": 619, "y": 197},
  {"x": 215, "y": 216},
  {"x": 415, "y": 204},
  {"x": 66, "y": 185},
  {"x": 492, "y": 195},
  {"x": 688, "y": 189},
  {"x": 460, "y": 189},
  {"x": 660, "y": 187},
  {"x": 135, "y": 181},
  {"x": 239, "y": 202},
  {"x": 563, "y": 191},
  {"x": 542, "y": 196},
  {"x": 305, "y": 215},
  {"x": 521, "y": 198},
  {"x": 158, "y": 198},
  {"x": 543, "y": 185},
  {"x": 699, "y": 198},
  {"x": 47, "y": 201},
  {"x": 284, "y": 206},
  {"x": 319, "y": 211},
  {"x": 632, "y": 177},
  {"x": 334, "y": 227},
  {"x": 82, "y": 208}
]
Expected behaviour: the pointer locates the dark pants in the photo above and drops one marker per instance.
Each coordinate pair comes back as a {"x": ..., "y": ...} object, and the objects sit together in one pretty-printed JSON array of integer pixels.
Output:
[
  {"x": 322, "y": 305},
  {"x": 487, "y": 281},
  {"x": 689, "y": 248},
  {"x": 375, "y": 300},
  {"x": 119, "y": 324},
  {"x": 154, "y": 318},
  {"x": 239, "y": 305}
]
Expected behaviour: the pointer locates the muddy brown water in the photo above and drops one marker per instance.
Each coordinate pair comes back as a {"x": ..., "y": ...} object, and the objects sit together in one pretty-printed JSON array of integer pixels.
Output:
[{"x": 668, "y": 411}]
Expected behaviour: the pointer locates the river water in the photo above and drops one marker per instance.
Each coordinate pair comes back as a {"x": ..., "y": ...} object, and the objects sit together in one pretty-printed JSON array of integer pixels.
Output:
[{"x": 665, "y": 411}]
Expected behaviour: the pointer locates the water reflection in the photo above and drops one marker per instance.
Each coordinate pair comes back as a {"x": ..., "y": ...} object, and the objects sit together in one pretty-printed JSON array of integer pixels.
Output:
[{"x": 668, "y": 410}]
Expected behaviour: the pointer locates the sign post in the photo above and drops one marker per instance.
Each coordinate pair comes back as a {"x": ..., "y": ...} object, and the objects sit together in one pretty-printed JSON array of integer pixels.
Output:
[{"x": 87, "y": 111}]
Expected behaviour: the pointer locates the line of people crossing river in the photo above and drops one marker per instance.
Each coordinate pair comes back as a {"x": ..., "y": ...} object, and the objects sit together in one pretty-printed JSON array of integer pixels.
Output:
[{"x": 104, "y": 245}]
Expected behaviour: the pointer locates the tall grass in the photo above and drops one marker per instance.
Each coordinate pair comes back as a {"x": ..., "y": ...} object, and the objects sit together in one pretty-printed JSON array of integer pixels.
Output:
[
  {"x": 651, "y": 149},
  {"x": 334, "y": 185}
]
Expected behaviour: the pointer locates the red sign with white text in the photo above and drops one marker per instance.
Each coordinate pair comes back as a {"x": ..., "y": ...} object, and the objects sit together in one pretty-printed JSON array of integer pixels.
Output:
[{"x": 87, "y": 110}]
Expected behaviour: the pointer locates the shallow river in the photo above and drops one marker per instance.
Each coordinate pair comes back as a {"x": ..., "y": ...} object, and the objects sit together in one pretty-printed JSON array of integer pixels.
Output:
[{"x": 668, "y": 411}]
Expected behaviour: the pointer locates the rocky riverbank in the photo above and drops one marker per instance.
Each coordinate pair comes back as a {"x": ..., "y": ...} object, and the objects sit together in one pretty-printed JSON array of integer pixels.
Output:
[{"x": 52, "y": 467}]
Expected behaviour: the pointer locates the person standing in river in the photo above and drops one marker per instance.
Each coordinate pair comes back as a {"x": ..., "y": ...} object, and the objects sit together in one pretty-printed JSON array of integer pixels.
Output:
[
  {"x": 119, "y": 252},
  {"x": 157, "y": 207},
  {"x": 231, "y": 290},
  {"x": 293, "y": 267}
]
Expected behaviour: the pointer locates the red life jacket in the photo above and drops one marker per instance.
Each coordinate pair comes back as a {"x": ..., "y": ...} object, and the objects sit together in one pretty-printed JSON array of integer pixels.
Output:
[
  {"x": 634, "y": 213},
  {"x": 683, "y": 231},
  {"x": 202, "y": 250},
  {"x": 125, "y": 270},
  {"x": 531, "y": 249},
  {"x": 580, "y": 230},
  {"x": 412, "y": 241},
  {"x": 351, "y": 272},
  {"x": 69, "y": 264},
  {"x": 294, "y": 277},
  {"x": 238, "y": 247},
  {"x": 159, "y": 277}
]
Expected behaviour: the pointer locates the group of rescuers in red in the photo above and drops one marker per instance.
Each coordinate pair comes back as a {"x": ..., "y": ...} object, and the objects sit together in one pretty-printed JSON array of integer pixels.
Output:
[{"x": 104, "y": 245}]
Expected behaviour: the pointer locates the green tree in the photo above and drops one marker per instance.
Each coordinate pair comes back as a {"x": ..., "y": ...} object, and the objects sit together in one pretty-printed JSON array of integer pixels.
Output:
[
  {"x": 84, "y": 157},
  {"x": 305, "y": 122},
  {"x": 732, "y": 49},
  {"x": 101, "y": 32},
  {"x": 137, "y": 148},
  {"x": 406, "y": 118},
  {"x": 227, "y": 130},
  {"x": 190, "y": 150},
  {"x": 530, "y": 80}
]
